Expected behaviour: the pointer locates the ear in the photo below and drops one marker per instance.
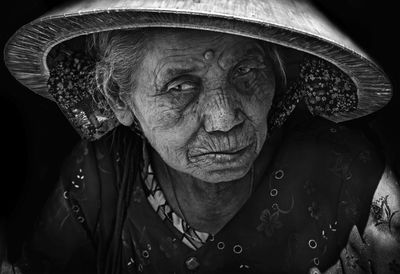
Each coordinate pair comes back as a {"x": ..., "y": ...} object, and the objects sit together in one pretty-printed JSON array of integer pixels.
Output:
[
  {"x": 121, "y": 110},
  {"x": 111, "y": 92},
  {"x": 124, "y": 114}
]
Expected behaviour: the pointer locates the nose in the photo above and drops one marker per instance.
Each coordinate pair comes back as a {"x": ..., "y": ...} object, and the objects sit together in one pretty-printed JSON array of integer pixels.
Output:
[{"x": 221, "y": 113}]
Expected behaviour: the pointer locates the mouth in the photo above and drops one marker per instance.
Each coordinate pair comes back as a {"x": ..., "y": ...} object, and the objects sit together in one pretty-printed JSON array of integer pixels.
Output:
[
  {"x": 232, "y": 151},
  {"x": 225, "y": 156}
]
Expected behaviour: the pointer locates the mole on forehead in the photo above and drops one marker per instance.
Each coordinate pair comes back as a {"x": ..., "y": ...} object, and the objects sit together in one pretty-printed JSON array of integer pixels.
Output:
[
  {"x": 221, "y": 47},
  {"x": 210, "y": 52},
  {"x": 198, "y": 43},
  {"x": 173, "y": 64}
]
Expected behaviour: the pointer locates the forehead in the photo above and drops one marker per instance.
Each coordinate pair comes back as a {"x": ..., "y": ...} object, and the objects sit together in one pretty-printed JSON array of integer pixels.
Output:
[
  {"x": 192, "y": 40},
  {"x": 184, "y": 49}
]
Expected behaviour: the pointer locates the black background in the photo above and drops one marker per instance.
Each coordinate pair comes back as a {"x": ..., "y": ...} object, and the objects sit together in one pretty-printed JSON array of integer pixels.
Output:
[{"x": 36, "y": 137}]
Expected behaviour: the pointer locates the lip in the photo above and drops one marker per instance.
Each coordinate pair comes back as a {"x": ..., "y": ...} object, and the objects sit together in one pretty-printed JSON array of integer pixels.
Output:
[
  {"x": 228, "y": 152},
  {"x": 225, "y": 155}
]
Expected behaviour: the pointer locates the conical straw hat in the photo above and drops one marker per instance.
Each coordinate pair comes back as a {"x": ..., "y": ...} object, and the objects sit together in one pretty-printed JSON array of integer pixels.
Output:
[{"x": 290, "y": 23}]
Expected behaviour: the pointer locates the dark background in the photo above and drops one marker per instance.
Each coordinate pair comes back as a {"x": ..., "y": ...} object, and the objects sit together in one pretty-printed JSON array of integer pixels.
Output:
[{"x": 36, "y": 137}]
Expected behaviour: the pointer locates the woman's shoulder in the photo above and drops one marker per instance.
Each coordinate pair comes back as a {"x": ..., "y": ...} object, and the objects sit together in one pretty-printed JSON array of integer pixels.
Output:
[
  {"x": 81, "y": 210},
  {"x": 89, "y": 177},
  {"x": 63, "y": 234},
  {"x": 335, "y": 151},
  {"x": 328, "y": 140},
  {"x": 86, "y": 153},
  {"x": 340, "y": 164}
]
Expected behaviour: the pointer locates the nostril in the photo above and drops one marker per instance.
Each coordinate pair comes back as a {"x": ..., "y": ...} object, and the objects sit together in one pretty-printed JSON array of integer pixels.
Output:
[
  {"x": 223, "y": 121},
  {"x": 221, "y": 111}
]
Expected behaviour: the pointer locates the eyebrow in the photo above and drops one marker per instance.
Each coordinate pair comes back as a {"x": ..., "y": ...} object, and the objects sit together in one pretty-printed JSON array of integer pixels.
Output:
[
  {"x": 254, "y": 49},
  {"x": 241, "y": 50},
  {"x": 172, "y": 68},
  {"x": 173, "y": 71}
]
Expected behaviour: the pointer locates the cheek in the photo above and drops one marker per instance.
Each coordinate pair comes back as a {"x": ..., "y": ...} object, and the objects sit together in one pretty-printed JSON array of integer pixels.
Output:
[
  {"x": 167, "y": 128},
  {"x": 153, "y": 113},
  {"x": 257, "y": 103},
  {"x": 171, "y": 145},
  {"x": 164, "y": 113}
]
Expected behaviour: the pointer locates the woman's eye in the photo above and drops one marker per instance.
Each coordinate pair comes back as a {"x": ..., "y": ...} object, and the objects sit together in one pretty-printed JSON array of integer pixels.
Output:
[
  {"x": 242, "y": 70},
  {"x": 183, "y": 87}
]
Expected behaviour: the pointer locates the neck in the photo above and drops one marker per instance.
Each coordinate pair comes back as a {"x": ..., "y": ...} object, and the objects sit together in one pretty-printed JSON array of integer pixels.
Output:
[{"x": 205, "y": 206}]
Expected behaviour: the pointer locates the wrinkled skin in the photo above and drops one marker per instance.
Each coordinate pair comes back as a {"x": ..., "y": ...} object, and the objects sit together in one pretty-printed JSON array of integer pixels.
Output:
[{"x": 206, "y": 117}]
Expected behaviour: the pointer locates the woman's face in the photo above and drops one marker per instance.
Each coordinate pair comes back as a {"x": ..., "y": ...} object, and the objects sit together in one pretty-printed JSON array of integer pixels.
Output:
[{"x": 202, "y": 101}]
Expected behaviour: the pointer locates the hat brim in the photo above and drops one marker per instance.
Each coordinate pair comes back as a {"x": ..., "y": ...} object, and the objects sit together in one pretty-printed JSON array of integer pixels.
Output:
[{"x": 292, "y": 24}]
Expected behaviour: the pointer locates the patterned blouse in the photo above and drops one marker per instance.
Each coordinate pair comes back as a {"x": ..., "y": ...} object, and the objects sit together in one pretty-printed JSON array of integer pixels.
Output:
[
  {"x": 189, "y": 236},
  {"x": 314, "y": 195}
]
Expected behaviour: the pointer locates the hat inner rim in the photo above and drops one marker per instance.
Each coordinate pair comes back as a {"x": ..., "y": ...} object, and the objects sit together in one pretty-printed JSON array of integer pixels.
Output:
[{"x": 26, "y": 52}]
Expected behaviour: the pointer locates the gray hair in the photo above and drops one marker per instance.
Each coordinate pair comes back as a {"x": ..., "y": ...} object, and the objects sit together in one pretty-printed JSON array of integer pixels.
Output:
[{"x": 119, "y": 53}]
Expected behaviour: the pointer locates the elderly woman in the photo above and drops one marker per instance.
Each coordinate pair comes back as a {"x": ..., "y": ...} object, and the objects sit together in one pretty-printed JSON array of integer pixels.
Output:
[{"x": 222, "y": 163}]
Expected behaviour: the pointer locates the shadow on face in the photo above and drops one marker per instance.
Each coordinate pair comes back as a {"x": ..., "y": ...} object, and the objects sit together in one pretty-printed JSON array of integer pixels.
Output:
[{"x": 202, "y": 100}]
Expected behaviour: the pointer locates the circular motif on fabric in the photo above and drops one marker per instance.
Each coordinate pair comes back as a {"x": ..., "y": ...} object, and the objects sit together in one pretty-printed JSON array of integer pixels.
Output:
[
  {"x": 279, "y": 174},
  {"x": 312, "y": 244},
  {"x": 145, "y": 254},
  {"x": 273, "y": 192},
  {"x": 75, "y": 208},
  {"x": 81, "y": 219},
  {"x": 65, "y": 194},
  {"x": 220, "y": 245},
  {"x": 237, "y": 249},
  {"x": 316, "y": 261}
]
